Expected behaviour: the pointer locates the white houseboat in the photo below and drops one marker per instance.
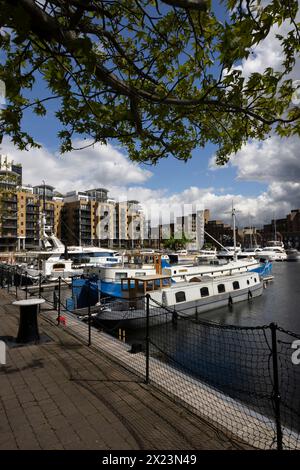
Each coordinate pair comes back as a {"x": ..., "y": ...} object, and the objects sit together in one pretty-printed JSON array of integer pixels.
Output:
[{"x": 167, "y": 301}]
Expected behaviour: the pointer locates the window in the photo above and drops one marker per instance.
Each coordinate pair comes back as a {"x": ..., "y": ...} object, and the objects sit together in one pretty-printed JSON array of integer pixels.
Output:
[
  {"x": 119, "y": 276},
  {"x": 236, "y": 285},
  {"x": 221, "y": 288},
  {"x": 255, "y": 279},
  {"x": 180, "y": 296},
  {"x": 204, "y": 291},
  {"x": 248, "y": 282}
]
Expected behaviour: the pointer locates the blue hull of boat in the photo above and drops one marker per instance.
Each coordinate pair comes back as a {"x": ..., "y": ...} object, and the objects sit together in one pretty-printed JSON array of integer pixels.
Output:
[{"x": 91, "y": 290}]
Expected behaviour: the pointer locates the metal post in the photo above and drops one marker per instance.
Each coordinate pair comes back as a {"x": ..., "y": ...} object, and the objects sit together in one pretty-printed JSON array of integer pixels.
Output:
[
  {"x": 89, "y": 312},
  {"x": 40, "y": 285},
  {"x": 26, "y": 278},
  {"x": 58, "y": 306},
  {"x": 16, "y": 283},
  {"x": 147, "y": 337},
  {"x": 276, "y": 393}
]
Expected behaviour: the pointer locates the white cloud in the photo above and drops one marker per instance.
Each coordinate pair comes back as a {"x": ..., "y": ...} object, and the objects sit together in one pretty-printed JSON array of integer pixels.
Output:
[
  {"x": 100, "y": 165},
  {"x": 268, "y": 53},
  {"x": 275, "y": 162},
  {"x": 277, "y": 200},
  {"x": 275, "y": 159}
]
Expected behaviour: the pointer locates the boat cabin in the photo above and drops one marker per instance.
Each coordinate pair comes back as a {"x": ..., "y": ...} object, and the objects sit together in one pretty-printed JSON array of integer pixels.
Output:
[{"x": 139, "y": 286}]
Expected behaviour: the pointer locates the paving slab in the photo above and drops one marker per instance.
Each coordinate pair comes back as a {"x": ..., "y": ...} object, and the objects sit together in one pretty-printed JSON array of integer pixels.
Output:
[{"x": 64, "y": 395}]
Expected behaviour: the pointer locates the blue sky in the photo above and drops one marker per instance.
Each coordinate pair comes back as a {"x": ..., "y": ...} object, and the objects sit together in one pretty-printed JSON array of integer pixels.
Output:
[
  {"x": 171, "y": 174},
  {"x": 262, "y": 179}
]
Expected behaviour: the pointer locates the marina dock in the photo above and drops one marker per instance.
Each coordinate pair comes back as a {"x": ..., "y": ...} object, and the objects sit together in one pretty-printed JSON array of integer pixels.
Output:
[{"x": 64, "y": 395}]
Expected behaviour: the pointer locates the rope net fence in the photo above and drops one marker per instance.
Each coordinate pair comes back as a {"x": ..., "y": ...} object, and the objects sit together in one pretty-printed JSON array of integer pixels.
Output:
[{"x": 243, "y": 380}]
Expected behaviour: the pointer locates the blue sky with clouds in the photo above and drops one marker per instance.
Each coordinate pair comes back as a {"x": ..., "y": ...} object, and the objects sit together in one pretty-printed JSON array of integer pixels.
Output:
[{"x": 262, "y": 179}]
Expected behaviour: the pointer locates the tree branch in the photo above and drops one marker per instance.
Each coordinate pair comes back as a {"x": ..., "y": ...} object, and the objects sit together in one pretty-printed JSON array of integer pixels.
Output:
[{"x": 188, "y": 4}]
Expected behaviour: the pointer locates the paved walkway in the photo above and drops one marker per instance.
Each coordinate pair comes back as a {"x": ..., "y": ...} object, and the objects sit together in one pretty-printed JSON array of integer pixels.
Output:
[{"x": 63, "y": 395}]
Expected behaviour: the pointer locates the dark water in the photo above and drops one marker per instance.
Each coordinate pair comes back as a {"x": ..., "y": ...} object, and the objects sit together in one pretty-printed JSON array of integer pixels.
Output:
[
  {"x": 279, "y": 303},
  {"x": 238, "y": 361}
]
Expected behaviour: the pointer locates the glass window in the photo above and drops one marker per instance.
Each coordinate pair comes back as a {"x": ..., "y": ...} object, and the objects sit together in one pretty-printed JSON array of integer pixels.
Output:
[
  {"x": 236, "y": 285},
  {"x": 120, "y": 276},
  {"x": 221, "y": 288},
  {"x": 180, "y": 296},
  {"x": 248, "y": 282},
  {"x": 204, "y": 291}
]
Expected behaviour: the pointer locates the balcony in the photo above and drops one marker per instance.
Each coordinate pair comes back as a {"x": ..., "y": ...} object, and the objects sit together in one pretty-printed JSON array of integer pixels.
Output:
[
  {"x": 9, "y": 226},
  {"x": 11, "y": 234},
  {"x": 7, "y": 242},
  {"x": 10, "y": 217},
  {"x": 9, "y": 199},
  {"x": 33, "y": 214},
  {"x": 10, "y": 208}
]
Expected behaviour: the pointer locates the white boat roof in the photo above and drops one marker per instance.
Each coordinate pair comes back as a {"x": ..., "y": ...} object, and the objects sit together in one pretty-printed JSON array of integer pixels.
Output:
[
  {"x": 150, "y": 277},
  {"x": 212, "y": 280}
]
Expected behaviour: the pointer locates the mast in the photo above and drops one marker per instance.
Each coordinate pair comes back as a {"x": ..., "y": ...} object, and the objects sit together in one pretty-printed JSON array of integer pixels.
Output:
[{"x": 234, "y": 234}]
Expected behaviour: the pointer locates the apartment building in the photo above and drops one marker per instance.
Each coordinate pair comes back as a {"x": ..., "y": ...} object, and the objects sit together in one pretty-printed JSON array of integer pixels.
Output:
[
  {"x": 189, "y": 226},
  {"x": 286, "y": 230},
  {"x": 21, "y": 208},
  {"x": 221, "y": 232},
  {"x": 130, "y": 225},
  {"x": 88, "y": 218}
]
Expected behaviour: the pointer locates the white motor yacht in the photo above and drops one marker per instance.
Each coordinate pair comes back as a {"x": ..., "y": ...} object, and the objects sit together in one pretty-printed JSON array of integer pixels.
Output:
[{"x": 274, "y": 251}]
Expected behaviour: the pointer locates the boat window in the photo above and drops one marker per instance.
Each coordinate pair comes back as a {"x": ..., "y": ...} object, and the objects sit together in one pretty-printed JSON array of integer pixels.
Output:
[
  {"x": 236, "y": 285},
  {"x": 98, "y": 254},
  {"x": 204, "y": 291},
  {"x": 221, "y": 288},
  {"x": 248, "y": 282},
  {"x": 180, "y": 296},
  {"x": 58, "y": 266},
  {"x": 139, "y": 274},
  {"x": 120, "y": 276},
  {"x": 255, "y": 279}
]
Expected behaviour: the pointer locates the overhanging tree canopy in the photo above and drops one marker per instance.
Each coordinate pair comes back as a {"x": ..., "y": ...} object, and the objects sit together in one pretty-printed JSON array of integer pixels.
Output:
[{"x": 159, "y": 76}]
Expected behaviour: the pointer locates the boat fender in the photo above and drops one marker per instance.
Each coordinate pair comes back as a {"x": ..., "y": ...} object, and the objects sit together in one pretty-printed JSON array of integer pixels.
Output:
[
  {"x": 136, "y": 348},
  {"x": 230, "y": 300},
  {"x": 249, "y": 294},
  {"x": 174, "y": 317}
]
